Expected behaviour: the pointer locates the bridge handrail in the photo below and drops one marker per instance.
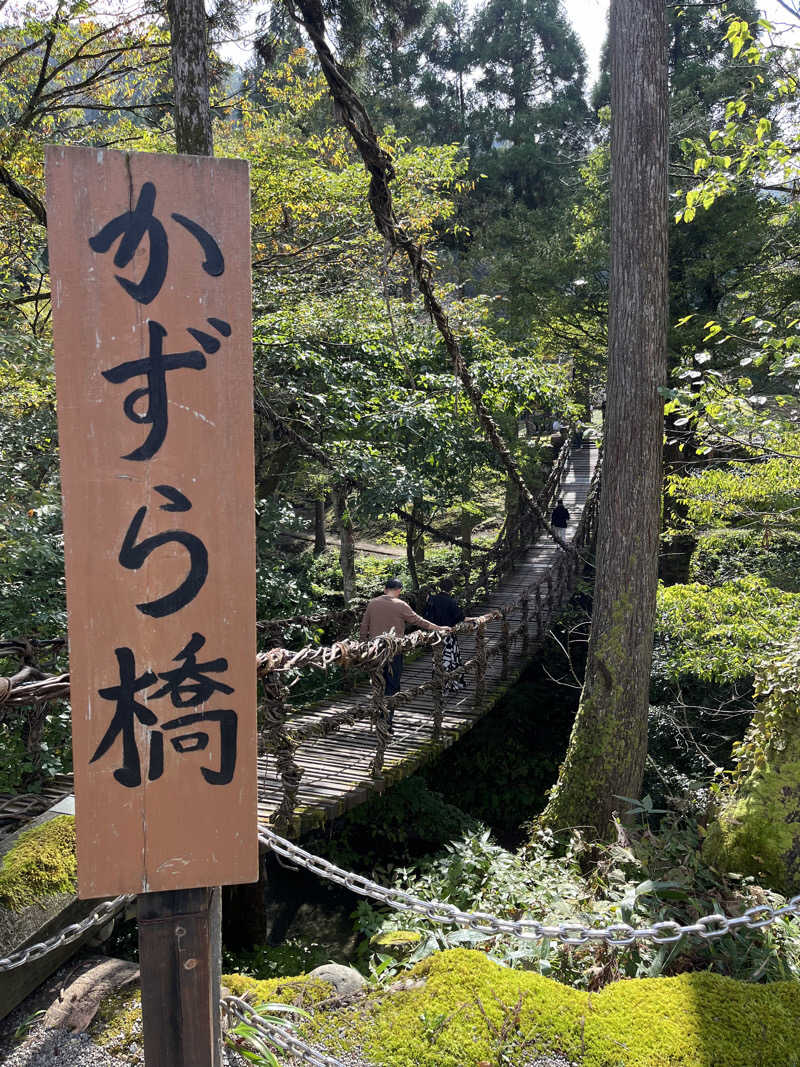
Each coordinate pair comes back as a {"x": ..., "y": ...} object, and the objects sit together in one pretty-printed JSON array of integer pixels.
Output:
[
  {"x": 31, "y": 686},
  {"x": 281, "y": 737},
  {"x": 348, "y": 614}
]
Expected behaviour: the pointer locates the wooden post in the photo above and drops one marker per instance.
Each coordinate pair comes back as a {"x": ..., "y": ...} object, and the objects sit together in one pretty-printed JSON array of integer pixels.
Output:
[
  {"x": 526, "y": 637},
  {"x": 505, "y": 644},
  {"x": 438, "y": 689},
  {"x": 466, "y": 570},
  {"x": 380, "y": 716},
  {"x": 480, "y": 663},
  {"x": 179, "y": 954}
]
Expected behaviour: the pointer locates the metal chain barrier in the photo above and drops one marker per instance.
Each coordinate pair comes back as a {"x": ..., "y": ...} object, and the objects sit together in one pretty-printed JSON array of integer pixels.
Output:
[
  {"x": 239, "y": 1009},
  {"x": 99, "y": 917},
  {"x": 708, "y": 927}
]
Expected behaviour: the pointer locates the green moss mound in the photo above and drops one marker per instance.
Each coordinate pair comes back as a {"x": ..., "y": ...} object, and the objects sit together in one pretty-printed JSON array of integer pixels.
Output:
[
  {"x": 757, "y": 830},
  {"x": 469, "y": 1009},
  {"x": 302, "y": 991},
  {"x": 41, "y": 864}
]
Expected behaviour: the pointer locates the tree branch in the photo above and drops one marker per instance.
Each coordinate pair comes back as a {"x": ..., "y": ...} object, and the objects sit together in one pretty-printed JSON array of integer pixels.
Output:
[{"x": 28, "y": 198}]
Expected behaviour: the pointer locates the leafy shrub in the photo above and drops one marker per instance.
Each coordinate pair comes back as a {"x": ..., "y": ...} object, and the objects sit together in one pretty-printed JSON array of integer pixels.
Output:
[
  {"x": 727, "y": 555},
  {"x": 719, "y": 634},
  {"x": 642, "y": 878}
]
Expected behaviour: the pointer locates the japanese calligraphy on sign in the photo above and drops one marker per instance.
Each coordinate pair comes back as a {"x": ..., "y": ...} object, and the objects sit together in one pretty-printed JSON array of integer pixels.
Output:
[{"x": 150, "y": 266}]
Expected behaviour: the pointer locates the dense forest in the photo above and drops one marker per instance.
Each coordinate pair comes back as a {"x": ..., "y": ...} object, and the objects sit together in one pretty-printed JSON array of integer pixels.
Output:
[{"x": 373, "y": 458}]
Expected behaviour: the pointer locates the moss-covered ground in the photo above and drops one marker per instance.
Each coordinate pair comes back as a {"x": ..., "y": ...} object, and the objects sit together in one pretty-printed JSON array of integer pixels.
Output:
[
  {"x": 463, "y": 1010},
  {"x": 41, "y": 864}
]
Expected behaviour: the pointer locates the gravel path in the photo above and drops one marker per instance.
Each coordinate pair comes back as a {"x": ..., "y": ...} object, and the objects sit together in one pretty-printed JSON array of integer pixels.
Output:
[{"x": 58, "y": 1048}]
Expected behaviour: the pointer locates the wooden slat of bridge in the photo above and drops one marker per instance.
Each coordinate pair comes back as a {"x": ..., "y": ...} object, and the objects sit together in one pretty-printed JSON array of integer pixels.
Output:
[{"x": 337, "y": 768}]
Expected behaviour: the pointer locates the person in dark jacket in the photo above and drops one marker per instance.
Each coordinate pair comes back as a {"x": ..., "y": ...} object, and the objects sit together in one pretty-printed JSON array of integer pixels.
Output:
[
  {"x": 443, "y": 609},
  {"x": 560, "y": 519}
]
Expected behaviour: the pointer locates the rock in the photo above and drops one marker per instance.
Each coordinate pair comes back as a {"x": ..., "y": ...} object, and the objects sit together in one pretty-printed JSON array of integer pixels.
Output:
[{"x": 343, "y": 979}]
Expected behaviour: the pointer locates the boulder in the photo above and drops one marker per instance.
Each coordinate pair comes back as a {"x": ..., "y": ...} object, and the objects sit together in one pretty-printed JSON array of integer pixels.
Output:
[{"x": 343, "y": 979}]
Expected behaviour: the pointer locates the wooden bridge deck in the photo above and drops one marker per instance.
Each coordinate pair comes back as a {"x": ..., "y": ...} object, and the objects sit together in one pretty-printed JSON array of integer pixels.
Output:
[{"x": 337, "y": 768}]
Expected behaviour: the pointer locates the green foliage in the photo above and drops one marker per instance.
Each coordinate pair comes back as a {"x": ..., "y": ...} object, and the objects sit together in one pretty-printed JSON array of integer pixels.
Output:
[
  {"x": 250, "y": 1042},
  {"x": 643, "y": 878},
  {"x": 763, "y": 493},
  {"x": 757, "y": 829},
  {"x": 273, "y": 961},
  {"x": 727, "y": 555},
  {"x": 41, "y": 864},
  {"x": 720, "y": 633},
  {"x": 31, "y": 551}
]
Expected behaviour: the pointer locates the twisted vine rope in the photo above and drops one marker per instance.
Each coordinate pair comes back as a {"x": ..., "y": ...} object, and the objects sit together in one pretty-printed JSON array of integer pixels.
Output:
[{"x": 309, "y": 15}]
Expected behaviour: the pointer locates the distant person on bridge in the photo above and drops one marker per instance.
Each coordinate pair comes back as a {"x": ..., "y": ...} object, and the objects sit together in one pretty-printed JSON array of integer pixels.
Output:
[
  {"x": 560, "y": 520},
  {"x": 443, "y": 609},
  {"x": 385, "y": 614}
]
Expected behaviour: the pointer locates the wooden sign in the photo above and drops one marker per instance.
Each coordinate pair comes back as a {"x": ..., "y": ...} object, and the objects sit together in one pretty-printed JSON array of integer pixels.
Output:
[{"x": 150, "y": 270}]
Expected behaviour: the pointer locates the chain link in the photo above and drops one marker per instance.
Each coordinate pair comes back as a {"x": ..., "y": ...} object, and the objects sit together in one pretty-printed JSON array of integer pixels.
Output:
[
  {"x": 239, "y": 1009},
  {"x": 666, "y": 932},
  {"x": 99, "y": 917}
]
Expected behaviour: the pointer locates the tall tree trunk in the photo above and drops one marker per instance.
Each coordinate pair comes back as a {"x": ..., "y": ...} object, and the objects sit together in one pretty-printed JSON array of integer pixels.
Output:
[
  {"x": 347, "y": 545},
  {"x": 418, "y": 511},
  {"x": 320, "y": 543},
  {"x": 411, "y": 558},
  {"x": 467, "y": 526},
  {"x": 189, "y": 53},
  {"x": 607, "y": 749}
]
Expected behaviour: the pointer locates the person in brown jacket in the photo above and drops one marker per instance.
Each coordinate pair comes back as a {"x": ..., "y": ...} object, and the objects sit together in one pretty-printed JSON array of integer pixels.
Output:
[{"x": 385, "y": 614}]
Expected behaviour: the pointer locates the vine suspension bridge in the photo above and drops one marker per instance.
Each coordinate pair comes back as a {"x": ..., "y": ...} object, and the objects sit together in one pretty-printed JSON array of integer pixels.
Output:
[{"x": 316, "y": 763}]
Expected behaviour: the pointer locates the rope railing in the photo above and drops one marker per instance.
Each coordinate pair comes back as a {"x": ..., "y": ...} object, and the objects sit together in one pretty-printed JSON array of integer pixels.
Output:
[
  {"x": 522, "y": 621},
  {"x": 282, "y": 737},
  {"x": 37, "y": 686},
  {"x": 527, "y": 528}
]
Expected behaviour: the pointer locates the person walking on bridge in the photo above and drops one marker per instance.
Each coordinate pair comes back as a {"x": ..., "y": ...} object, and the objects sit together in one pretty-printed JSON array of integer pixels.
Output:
[
  {"x": 386, "y": 614},
  {"x": 560, "y": 520},
  {"x": 443, "y": 609}
]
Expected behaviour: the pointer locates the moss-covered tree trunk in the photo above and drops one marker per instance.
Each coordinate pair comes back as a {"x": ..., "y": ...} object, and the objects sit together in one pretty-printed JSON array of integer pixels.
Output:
[
  {"x": 757, "y": 826},
  {"x": 189, "y": 54},
  {"x": 607, "y": 749}
]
